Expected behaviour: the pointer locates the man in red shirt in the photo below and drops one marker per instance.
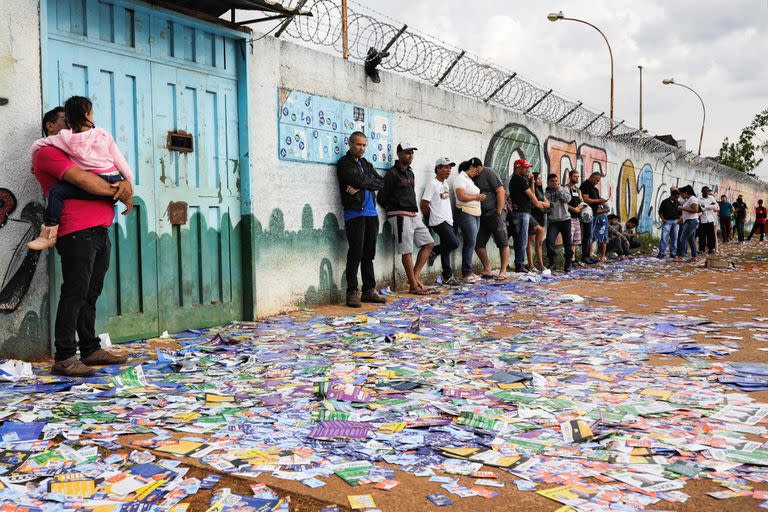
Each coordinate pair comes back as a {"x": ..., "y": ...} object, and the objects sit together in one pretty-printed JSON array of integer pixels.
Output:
[
  {"x": 83, "y": 245},
  {"x": 760, "y": 217}
]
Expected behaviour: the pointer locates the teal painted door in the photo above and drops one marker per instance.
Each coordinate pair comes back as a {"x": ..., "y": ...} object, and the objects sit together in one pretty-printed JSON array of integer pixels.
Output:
[{"x": 149, "y": 73}]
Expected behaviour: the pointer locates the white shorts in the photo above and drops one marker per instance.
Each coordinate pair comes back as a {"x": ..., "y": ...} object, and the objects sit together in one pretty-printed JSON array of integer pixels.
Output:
[{"x": 407, "y": 231}]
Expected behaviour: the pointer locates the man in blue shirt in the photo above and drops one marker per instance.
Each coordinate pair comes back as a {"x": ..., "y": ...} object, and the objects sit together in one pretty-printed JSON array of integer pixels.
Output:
[
  {"x": 726, "y": 218},
  {"x": 358, "y": 183}
]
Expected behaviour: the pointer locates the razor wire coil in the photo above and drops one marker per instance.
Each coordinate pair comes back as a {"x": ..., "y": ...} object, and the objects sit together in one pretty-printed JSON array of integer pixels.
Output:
[{"x": 427, "y": 59}]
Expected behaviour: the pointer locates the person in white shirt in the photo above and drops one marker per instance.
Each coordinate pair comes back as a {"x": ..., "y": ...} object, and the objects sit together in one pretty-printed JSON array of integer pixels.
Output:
[
  {"x": 707, "y": 227},
  {"x": 468, "y": 211},
  {"x": 436, "y": 208},
  {"x": 690, "y": 218}
]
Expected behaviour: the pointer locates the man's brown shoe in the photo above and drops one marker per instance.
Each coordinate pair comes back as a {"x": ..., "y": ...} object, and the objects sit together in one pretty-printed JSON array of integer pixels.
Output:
[
  {"x": 353, "y": 300},
  {"x": 72, "y": 367},
  {"x": 103, "y": 357},
  {"x": 373, "y": 296}
]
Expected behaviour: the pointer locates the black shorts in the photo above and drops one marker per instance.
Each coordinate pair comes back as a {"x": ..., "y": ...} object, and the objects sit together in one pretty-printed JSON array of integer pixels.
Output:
[{"x": 495, "y": 226}]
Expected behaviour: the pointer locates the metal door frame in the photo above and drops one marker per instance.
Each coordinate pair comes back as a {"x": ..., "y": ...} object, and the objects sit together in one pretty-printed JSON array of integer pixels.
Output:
[{"x": 243, "y": 74}]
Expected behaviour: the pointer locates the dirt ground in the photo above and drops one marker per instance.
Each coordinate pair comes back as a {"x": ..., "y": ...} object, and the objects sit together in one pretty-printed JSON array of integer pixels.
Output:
[{"x": 646, "y": 294}]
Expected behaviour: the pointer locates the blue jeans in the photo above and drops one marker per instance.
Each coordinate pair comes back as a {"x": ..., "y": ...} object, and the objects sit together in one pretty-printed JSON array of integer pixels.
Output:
[
  {"x": 520, "y": 222},
  {"x": 668, "y": 237},
  {"x": 448, "y": 243},
  {"x": 688, "y": 238},
  {"x": 63, "y": 190},
  {"x": 469, "y": 226}
]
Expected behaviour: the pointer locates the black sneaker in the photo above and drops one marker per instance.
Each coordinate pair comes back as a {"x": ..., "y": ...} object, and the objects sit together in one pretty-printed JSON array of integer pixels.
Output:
[{"x": 432, "y": 257}]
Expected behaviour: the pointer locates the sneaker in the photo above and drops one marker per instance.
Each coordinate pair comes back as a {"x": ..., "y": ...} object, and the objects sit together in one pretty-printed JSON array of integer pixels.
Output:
[
  {"x": 432, "y": 257},
  {"x": 72, "y": 367},
  {"x": 372, "y": 296},
  {"x": 566, "y": 270},
  {"x": 353, "y": 300},
  {"x": 102, "y": 358},
  {"x": 546, "y": 273},
  {"x": 520, "y": 270},
  {"x": 451, "y": 281}
]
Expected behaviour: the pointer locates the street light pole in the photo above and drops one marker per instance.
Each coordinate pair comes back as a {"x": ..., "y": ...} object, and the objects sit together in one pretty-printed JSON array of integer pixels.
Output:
[
  {"x": 671, "y": 81},
  {"x": 556, "y": 16},
  {"x": 641, "y": 97}
]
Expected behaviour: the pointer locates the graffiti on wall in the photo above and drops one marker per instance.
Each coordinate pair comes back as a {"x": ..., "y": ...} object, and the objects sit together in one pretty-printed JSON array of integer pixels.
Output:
[
  {"x": 633, "y": 189},
  {"x": 23, "y": 262}
]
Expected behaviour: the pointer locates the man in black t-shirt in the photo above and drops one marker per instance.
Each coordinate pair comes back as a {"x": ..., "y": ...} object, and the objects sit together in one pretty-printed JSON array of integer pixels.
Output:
[
  {"x": 521, "y": 197},
  {"x": 669, "y": 214},
  {"x": 740, "y": 216},
  {"x": 590, "y": 194},
  {"x": 493, "y": 219}
]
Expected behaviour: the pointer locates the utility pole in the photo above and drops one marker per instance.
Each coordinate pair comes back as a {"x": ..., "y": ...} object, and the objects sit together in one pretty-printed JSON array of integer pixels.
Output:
[
  {"x": 344, "y": 30},
  {"x": 641, "y": 96}
]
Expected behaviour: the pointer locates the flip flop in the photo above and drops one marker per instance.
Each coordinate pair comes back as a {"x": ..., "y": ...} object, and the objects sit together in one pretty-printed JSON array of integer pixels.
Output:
[
  {"x": 486, "y": 276},
  {"x": 418, "y": 292},
  {"x": 499, "y": 278}
]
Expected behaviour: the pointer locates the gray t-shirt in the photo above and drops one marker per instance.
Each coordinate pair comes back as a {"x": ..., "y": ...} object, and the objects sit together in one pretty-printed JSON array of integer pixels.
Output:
[{"x": 488, "y": 181}]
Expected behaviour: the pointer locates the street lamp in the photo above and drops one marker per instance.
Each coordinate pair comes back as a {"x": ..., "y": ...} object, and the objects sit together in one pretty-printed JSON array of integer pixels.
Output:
[
  {"x": 556, "y": 16},
  {"x": 671, "y": 81}
]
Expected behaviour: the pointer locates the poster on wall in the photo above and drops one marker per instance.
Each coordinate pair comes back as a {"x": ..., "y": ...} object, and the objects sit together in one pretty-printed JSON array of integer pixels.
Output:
[{"x": 316, "y": 129}]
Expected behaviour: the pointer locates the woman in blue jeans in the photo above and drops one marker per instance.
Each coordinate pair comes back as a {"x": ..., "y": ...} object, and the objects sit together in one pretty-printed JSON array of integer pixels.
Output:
[
  {"x": 690, "y": 217},
  {"x": 467, "y": 215}
]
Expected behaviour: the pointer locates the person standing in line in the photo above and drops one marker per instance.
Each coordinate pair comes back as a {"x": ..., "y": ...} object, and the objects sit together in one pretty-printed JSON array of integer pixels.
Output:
[
  {"x": 690, "y": 218},
  {"x": 84, "y": 248},
  {"x": 669, "y": 215},
  {"x": 559, "y": 222},
  {"x": 398, "y": 198},
  {"x": 740, "y": 216},
  {"x": 493, "y": 220},
  {"x": 521, "y": 198},
  {"x": 436, "y": 208},
  {"x": 537, "y": 224},
  {"x": 759, "y": 225},
  {"x": 468, "y": 211},
  {"x": 575, "y": 207},
  {"x": 726, "y": 218},
  {"x": 709, "y": 210},
  {"x": 590, "y": 194},
  {"x": 358, "y": 183}
]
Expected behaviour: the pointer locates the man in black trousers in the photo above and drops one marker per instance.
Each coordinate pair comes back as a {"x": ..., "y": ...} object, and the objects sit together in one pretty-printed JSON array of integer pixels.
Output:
[{"x": 358, "y": 183}]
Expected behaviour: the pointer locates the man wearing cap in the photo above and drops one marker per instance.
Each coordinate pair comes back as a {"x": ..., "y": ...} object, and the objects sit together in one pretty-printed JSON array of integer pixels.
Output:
[
  {"x": 358, "y": 183},
  {"x": 521, "y": 197},
  {"x": 492, "y": 219},
  {"x": 398, "y": 198},
  {"x": 709, "y": 211},
  {"x": 436, "y": 208}
]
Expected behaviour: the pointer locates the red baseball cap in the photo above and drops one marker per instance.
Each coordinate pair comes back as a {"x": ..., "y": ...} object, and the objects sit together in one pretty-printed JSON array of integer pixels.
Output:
[{"x": 522, "y": 163}]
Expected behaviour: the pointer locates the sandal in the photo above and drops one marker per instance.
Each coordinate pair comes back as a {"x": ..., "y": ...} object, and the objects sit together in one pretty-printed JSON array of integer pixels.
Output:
[
  {"x": 486, "y": 276},
  {"x": 418, "y": 292}
]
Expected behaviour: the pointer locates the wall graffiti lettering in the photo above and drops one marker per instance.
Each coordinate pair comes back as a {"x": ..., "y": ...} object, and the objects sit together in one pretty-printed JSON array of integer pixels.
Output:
[
  {"x": 560, "y": 156},
  {"x": 23, "y": 262},
  {"x": 7, "y": 205},
  {"x": 510, "y": 143}
]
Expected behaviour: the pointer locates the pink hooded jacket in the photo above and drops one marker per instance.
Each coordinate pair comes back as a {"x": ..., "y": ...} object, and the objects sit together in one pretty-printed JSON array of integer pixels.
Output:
[{"x": 92, "y": 150}]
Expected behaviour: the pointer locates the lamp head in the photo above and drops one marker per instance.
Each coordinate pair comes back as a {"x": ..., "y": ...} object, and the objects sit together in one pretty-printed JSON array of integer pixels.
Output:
[
  {"x": 554, "y": 16},
  {"x": 668, "y": 81}
]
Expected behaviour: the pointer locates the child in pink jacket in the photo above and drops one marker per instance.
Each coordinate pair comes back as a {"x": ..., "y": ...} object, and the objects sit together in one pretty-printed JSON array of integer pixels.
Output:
[{"x": 89, "y": 148}]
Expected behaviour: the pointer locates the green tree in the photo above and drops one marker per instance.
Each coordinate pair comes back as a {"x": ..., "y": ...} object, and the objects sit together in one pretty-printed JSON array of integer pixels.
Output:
[{"x": 743, "y": 154}]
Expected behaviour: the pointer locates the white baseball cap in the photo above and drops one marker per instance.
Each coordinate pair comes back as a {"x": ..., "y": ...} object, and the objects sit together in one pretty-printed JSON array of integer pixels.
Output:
[
  {"x": 406, "y": 146},
  {"x": 444, "y": 160}
]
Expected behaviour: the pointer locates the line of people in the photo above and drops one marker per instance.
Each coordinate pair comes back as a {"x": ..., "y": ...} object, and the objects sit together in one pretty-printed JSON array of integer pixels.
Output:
[
  {"x": 481, "y": 210},
  {"x": 686, "y": 217}
]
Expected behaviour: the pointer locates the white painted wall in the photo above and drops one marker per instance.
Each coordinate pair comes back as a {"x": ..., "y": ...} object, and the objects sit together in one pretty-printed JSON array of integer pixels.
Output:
[
  {"x": 20, "y": 83},
  {"x": 438, "y": 122}
]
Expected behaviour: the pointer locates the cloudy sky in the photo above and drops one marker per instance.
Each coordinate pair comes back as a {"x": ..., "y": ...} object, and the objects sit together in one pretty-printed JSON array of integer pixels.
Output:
[{"x": 719, "y": 48}]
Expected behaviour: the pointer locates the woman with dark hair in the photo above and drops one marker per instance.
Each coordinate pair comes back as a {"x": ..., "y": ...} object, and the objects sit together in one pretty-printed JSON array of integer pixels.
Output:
[
  {"x": 89, "y": 148},
  {"x": 690, "y": 218},
  {"x": 468, "y": 211},
  {"x": 536, "y": 231}
]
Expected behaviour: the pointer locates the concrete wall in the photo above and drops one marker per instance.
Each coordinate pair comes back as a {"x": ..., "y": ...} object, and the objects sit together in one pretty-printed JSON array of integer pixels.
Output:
[
  {"x": 299, "y": 239},
  {"x": 23, "y": 275}
]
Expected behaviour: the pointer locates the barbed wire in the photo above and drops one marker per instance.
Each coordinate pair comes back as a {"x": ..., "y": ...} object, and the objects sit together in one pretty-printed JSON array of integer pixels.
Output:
[{"x": 425, "y": 58}]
